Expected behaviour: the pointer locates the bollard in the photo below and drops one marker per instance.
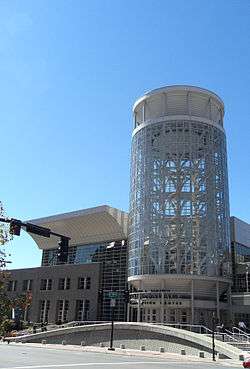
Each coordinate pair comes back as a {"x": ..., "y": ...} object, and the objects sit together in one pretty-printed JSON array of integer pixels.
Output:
[
  {"x": 102, "y": 344},
  {"x": 183, "y": 352},
  {"x": 122, "y": 347},
  {"x": 83, "y": 343},
  {"x": 202, "y": 354},
  {"x": 63, "y": 342},
  {"x": 241, "y": 357},
  {"x": 162, "y": 349},
  {"x": 143, "y": 348},
  {"x": 44, "y": 342}
]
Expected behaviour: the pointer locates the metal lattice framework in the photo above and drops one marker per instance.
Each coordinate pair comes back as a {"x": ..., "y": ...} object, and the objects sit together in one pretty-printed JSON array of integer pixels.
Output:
[{"x": 179, "y": 210}]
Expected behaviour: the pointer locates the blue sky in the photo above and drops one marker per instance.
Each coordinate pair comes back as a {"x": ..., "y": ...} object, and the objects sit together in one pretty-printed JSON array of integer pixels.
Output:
[{"x": 70, "y": 72}]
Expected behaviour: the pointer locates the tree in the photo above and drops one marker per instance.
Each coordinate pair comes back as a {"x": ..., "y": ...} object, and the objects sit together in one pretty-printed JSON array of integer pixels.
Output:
[
  {"x": 7, "y": 303},
  {"x": 5, "y": 237}
]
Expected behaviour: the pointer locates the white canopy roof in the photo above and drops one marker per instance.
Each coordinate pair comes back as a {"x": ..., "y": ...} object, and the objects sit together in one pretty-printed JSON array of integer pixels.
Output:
[{"x": 93, "y": 225}]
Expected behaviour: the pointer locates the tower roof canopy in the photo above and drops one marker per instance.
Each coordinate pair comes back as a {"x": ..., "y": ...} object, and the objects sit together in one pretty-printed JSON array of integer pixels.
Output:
[
  {"x": 179, "y": 88},
  {"x": 178, "y": 102}
]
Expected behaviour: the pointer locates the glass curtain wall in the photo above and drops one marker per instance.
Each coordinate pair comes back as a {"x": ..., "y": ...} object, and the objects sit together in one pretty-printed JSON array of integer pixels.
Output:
[{"x": 113, "y": 258}]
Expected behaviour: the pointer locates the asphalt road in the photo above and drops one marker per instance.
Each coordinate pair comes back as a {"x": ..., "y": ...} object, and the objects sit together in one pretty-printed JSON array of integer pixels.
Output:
[{"x": 24, "y": 357}]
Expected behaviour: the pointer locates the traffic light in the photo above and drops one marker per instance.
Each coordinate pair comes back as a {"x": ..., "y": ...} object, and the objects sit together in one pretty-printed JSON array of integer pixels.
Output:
[
  {"x": 100, "y": 295},
  {"x": 126, "y": 296},
  {"x": 15, "y": 227},
  {"x": 223, "y": 297},
  {"x": 63, "y": 250}
]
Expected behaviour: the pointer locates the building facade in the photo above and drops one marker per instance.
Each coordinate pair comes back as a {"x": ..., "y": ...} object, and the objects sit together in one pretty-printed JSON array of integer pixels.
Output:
[
  {"x": 97, "y": 265},
  {"x": 173, "y": 249},
  {"x": 179, "y": 245},
  {"x": 63, "y": 293},
  {"x": 240, "y": 245}
]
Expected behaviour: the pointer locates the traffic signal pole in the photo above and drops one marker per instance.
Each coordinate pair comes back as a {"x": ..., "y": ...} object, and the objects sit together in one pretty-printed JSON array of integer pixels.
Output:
[{"x": 16, "y": 225}]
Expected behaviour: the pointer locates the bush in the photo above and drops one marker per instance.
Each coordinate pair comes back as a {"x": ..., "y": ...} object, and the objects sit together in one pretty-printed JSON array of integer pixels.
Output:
[{"x": 7, "y": 326}]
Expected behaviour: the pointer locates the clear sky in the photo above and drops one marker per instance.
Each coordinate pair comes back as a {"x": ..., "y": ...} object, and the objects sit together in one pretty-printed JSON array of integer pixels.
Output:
[{"x": 70, "y": 72}]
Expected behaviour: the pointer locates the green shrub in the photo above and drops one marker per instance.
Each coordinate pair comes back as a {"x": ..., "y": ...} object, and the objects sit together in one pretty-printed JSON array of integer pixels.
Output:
[{"x": 7, "y": 326}]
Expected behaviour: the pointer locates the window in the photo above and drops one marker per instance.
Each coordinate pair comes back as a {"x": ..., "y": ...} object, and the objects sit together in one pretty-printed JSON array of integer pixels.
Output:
[
  {"x": 27, "y": 285},
  {"x": 88, "y": 284},
  {"x": 153, "y": 316},
  {"x": 170, "y": 186},
  {"x": 44, "y": 307},
  {"x": 165, "y": 316},
  {"x": 169, "y": 208},
  {"x": 84, "y": 283},
  {"x": 81, "y": 282},
  {"x": 186, "y": 187},
  {"x": 12, "y": 285},
  {"x": 62, "y": 311},
  {"x": 64, "y": 284},
  {"x": 172, "y": 316},
  {"x": 185, "y": 207},
  {"x": 82, "y": 310},
  {"x": 46, "y": 284},
  {"x": 183, "y": 316}
]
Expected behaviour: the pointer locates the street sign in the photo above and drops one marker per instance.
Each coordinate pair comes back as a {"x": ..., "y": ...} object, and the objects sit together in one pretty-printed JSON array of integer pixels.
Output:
[
  {"x": 112, "y": 302},
  {"x": 113, "y": 294}
]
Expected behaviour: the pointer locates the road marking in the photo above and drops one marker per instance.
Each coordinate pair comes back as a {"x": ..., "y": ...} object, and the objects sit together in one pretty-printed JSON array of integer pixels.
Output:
[{"x": 92, "y": 364}]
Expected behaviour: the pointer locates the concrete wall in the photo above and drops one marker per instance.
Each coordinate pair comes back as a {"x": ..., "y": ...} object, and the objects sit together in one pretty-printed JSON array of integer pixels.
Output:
[{"x": 134, "y": 335}]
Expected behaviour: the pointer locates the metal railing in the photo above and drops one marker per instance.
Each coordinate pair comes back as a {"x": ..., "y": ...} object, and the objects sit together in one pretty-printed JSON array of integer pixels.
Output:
[
  {"x": 234, "y": 336},
  {"x": 240, "y": 335},
  {"x": 84, "y": 322},
  {"x": 196, "y": 328}
]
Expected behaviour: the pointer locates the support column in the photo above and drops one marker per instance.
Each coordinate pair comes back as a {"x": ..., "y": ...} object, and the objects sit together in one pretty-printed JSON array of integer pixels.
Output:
[
  {"x": 192, "y": 301},
  {"x": 143, "y": 112},
  {"x": 229, "y": 299},
  {"x": 128, "y": 312},
  {"x": 162, "y": 308},
  {"x": 166, "y": 103},
  {"x": 139, "y": 308},
  {"x": 218, "y": 300}
]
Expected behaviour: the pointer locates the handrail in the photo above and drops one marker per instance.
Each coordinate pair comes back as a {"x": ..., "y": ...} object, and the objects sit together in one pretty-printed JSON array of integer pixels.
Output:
[
  {"x": 223, "y": 337},
  {"x": 196, "y": 328},
  {"x": 240, "y": 333}
]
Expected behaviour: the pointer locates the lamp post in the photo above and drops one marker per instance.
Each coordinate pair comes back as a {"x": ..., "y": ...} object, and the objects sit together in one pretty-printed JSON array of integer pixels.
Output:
[
  {"x": 213, "y": 329},
  {"x": 112, "y": 305}
]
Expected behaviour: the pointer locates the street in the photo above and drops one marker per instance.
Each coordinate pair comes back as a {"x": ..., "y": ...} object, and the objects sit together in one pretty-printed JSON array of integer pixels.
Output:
[{"x": 25, "y": 357}]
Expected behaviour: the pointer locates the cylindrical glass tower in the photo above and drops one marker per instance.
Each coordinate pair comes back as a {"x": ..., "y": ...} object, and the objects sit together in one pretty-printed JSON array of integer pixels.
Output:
[{"x": 179, "y": 207}]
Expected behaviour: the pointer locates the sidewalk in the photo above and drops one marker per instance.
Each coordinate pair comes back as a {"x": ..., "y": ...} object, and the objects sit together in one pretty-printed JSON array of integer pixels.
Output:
[{"x": 130, "y": 352}]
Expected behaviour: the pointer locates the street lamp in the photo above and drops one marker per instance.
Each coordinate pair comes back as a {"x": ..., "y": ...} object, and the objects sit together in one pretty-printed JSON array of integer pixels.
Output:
[
  {"x": 213, "y": 329},
  {"x": 112, "y": 305}
]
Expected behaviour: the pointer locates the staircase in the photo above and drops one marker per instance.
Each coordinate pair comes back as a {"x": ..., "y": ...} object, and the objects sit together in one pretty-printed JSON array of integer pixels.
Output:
[{"x": 235, "y": 337}]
